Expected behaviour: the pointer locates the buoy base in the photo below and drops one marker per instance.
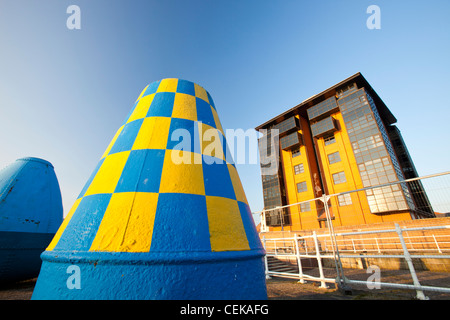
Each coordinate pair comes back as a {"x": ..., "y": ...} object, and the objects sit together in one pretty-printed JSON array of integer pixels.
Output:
[
  {"x": 19, "y": 254},
  {"x": 156, "y": 276}
]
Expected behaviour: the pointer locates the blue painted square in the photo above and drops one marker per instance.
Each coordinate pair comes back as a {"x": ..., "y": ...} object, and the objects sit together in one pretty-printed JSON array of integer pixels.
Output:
[
  {"x": 131, "y": 112},
  {"x": 190, "y": 233},
  {"x": 88, "y": 183},
  {"x": 186, "y": 87},
  {"x": 83, "y": 226},
  {"x": 142, "y": 172},
  {"x": 131, "y": 172},
  {"x": 226, "y": 150},
  {"x": 162, "y": 105},
  {"x": 152, "y": 88},
  {"x": 217, "y": 178},
  {"x": 126, "y": 138},
  {"x": 249, "y": 226},
  {"x": 204, "y": 113},
  {"x": 184, "y": 135}
]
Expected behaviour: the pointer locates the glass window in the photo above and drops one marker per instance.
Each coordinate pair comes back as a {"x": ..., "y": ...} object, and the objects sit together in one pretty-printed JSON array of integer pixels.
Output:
[
  {"x": 299, "y": 168},
  {"x": 289, "y": 140},
  {"x": 339, "y": 177},
  {"x": 322, "y": 108},
  {"x": 334, "y": 157},
  {"x": 301, "y": 186},
  {"x": 286, "y": 125},
  {"x": 329, "y": 139},
  {"x": 347, "y": 89},
  {"x": 323, "y": 127},
  {"x": 305, "y": 207},
  {"x": 295, "y": 152},
  {"x": 344, "y": 200}
]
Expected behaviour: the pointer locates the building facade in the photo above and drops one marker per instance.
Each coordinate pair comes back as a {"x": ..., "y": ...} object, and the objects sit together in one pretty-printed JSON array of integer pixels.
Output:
[{"x": 339, "y": 140}]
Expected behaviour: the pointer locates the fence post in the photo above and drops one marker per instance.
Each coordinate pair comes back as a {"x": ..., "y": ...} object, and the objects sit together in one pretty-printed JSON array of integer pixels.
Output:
[
  {"x": 420, "y": 295},
  {"x": 299, "y": 262},
  {"x": 266, "y": 264},
  {"x": 437, "y": 245},
  {"x": 319, "y": 261},
  {"x": 340, "y": 279},
  {"x": 376, "y": 240},
  {"x": 263, "y": 222}
]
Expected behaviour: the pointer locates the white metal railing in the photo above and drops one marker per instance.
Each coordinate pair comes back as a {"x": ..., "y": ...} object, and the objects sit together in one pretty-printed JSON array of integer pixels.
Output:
[
  {"x": 315, "y": 247},
  {"x": 439, "y": 243},
  {"x": 289, "y": 247},
  {"x": 392, "y": 243}
]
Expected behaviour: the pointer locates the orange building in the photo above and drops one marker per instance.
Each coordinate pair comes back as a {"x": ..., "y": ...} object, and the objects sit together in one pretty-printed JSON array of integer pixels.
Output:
[{"x": 339, "y": 140}]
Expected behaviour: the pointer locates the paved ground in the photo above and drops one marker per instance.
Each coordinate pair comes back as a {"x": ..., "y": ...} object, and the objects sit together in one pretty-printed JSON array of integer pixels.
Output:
[
  {"x": 289, "y": 289},
  {"x": 17, "y": 291}
]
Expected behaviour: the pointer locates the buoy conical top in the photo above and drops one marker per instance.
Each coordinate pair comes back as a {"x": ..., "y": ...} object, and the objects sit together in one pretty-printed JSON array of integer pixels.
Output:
[
  {"x": 30, "y": 213},
  {"x": 163, "y": 215}
]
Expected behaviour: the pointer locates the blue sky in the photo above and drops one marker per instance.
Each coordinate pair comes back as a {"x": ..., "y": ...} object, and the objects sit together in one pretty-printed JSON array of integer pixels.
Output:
[{"x": 64, "y": 93}]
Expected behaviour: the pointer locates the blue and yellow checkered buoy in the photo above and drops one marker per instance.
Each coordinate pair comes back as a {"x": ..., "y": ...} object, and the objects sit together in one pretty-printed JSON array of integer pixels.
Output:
[{"x": 163, "y": 215}]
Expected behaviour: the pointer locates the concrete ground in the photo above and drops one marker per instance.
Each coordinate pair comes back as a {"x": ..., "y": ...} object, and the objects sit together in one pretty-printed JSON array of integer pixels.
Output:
[{"x": 290, "y": 289}]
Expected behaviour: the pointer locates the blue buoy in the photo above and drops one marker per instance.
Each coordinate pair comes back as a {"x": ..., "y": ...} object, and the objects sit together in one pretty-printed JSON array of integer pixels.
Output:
[{"x": 30, "y": 214}]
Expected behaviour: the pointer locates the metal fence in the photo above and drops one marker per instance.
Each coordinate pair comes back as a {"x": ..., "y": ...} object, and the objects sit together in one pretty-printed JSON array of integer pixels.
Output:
[
  {"x": 325, "y": 256},
  {"x": 300, "y": 249},
  {"x": 316, "y": 247}
]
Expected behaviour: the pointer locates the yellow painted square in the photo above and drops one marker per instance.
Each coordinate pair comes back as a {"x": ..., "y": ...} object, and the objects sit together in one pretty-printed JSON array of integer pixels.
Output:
[
  {"x": 153, "y": 134},
  {"x": 141, "y": 109},
  {"x": 201, "y": 93},
  {"x": 108, "y": 175},
  {"x": 184, "y": 107},
  {"x": 112, "y": 141},
  {"x": 185, "y": 157},
  {"x": 113, "y": 226},
  {"x": 168, "y": 85},
  {"x": 226, "y": 228},
  {"x": 210, "y": 141},
  {"x": 138, "y": 236},
  {"x": 217, "y": 121},
  {"x": 127, "y": 225},
  {"x": 63, "y": 226},
  {"x": 237, "y": 184},
  {"x": 181, "y": 177}
]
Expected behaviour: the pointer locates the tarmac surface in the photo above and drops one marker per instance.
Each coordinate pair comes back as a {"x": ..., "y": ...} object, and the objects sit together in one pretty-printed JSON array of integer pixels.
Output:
[{"x": 290, "y": 289}]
